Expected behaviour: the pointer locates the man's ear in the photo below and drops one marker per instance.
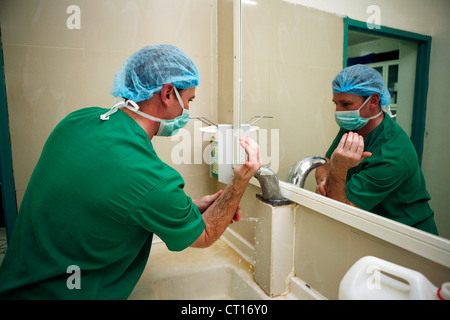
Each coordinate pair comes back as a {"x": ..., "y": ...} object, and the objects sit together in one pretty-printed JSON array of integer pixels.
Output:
[
  {"x": 166, "y": 92},
  {"x": 374, "y": 100}
]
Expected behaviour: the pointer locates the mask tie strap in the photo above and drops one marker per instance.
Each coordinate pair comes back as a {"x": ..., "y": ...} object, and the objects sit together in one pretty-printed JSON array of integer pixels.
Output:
[
  {"x": 180, "y": 101},
  {"x": 114, "y": 109},
  {"x": 387, "y": 109},
  {"x": 375, "y": 116},
  {"x": 135, "y": 108}
]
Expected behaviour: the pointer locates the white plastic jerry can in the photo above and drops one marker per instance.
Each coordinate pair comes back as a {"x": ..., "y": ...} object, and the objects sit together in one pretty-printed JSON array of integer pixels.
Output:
[{"x": 371, "y": 278}]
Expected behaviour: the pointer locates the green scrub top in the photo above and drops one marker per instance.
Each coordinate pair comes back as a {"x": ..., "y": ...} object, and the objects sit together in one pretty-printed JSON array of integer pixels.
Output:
[
  {"x": 96, "y": 197},
  {"x": 390, "y": 183}
]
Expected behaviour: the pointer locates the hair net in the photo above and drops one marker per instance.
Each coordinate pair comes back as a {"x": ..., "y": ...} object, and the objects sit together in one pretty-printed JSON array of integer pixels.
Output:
[
  {"x": 146, "y": 70},
  {"x": 362, "y": 80}
]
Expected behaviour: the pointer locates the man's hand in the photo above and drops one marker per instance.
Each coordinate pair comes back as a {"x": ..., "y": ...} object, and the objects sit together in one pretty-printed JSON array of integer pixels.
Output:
[
  {"x": 206, "y": 201},
  {"x": 244, "y": 172},
  {"x": 349, "y": 153},
  {"x": 320, "y": 189},
  {"x": 321, "y": 176}
]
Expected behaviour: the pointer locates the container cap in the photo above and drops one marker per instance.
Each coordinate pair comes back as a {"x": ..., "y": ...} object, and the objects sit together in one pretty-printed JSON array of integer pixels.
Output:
[{"x": 444, "y": 291}]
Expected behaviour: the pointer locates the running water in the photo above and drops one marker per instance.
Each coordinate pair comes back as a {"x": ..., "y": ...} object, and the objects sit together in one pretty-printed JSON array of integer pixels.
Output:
[{"x": 250, "y": 219}]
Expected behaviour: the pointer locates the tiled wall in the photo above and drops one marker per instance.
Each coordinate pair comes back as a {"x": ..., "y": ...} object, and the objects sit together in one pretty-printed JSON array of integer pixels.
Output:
[{"x": 52, "y": 69}]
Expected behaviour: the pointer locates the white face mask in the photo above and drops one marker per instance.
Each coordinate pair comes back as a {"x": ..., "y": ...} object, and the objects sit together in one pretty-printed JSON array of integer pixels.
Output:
[
  {"x": 167, "y": 127},
  {"x": 352, "y": 120}
]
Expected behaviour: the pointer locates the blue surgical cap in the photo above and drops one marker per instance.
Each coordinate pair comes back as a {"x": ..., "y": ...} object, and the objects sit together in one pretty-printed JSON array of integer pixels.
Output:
[
  {"x": 148, "y": 69},
  {"x": 363, "y": 81}
]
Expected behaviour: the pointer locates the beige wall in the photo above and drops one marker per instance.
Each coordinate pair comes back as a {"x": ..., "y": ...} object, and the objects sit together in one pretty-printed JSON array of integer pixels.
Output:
[{"x": 51, "y": 70}]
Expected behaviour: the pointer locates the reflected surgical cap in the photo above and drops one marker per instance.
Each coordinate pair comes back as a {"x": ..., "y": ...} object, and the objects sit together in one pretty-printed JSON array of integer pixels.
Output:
[
  {"x": 148, "y": 69},
  {"x": 363, "y": 81}
]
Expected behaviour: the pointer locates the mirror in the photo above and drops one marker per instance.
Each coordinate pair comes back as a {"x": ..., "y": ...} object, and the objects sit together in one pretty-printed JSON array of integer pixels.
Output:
[
  {"x": 289, "y": 57},
  {"x": 290, "y": 54}
]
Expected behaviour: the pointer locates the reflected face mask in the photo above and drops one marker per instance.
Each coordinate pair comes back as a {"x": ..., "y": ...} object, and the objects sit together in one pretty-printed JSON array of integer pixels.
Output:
[{"x": 352, "y": 120}]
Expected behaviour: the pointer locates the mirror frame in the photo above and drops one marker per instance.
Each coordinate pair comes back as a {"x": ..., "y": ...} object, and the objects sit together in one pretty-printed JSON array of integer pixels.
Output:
[
  {"x": 237, "y": 79},
  {"x": 422, "y": 72}
]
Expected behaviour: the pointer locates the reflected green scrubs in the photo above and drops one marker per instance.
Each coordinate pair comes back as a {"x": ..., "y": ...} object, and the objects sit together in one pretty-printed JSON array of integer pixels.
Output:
[
  {"x": 96, "y": 197},
  {"x": 390, "y": 182}
]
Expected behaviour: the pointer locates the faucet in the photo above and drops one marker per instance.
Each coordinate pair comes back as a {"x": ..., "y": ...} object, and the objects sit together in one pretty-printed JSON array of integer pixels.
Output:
[
  {"x": 299, "y": 171},
  {"x": 270, "y": 187}
]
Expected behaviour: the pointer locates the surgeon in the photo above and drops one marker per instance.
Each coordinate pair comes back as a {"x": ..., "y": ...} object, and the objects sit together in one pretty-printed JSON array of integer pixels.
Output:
[
  {"x": 372, "y": 163},
  {"x": 99, "y": 190}
]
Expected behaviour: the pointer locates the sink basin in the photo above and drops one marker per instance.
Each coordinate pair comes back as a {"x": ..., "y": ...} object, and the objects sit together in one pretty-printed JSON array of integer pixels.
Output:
[
  {"x": 219, "y": 283},
  {"x": 215, "y": 273}
]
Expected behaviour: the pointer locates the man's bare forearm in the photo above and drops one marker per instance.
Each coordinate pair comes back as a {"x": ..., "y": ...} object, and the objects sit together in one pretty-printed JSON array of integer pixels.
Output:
[
  {"x": 220, "y": 213},
  {"x": 218, "y": 216},
  {"x": 335, "y": 186}
]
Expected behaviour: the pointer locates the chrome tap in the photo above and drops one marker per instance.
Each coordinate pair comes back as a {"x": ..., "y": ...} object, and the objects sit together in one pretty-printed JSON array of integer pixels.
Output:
[{"x": 299, "y": 171}]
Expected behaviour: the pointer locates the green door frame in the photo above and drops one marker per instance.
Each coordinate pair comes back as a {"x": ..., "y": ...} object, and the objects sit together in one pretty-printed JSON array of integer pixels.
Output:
[
  {"x": 422, "y": 72},
  {"x": 6, "y": 167}
]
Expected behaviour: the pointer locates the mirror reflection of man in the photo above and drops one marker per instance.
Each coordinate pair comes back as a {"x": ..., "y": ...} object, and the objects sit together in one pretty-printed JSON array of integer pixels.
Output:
[{"x": 372, "y": 163}]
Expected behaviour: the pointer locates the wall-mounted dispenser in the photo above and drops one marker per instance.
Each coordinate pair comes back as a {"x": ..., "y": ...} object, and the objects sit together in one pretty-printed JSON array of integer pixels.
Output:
[{"x": 222, "y": 156}]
